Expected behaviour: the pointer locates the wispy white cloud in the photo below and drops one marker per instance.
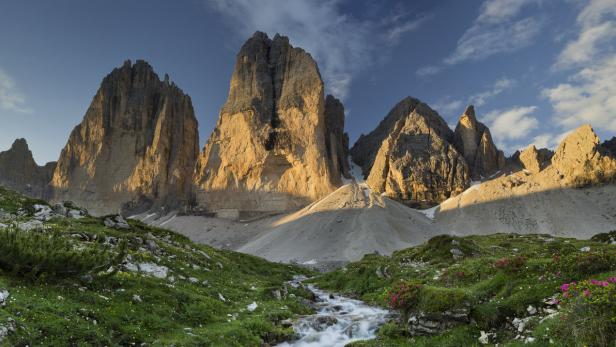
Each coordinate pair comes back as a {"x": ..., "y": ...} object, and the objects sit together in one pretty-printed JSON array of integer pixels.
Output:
[
  {"x": 499, "y": 11},
  {"x": 499, "y": 87},
  {"x": 482, "y": 41},
  {"x": 11, "y": 99},
  {"x": 589, "y": 97},
  {"x": 589, "y": 94},
  {"x": 447, "y": 106},
  {"x": 428, "y": 70},
  {"x": 548, "y": 140},
  {"x": 497, "y": 29},
  {"x": 595, "y": 37},
  {"x": 341, "y": 44},
  {"x": 513, "y": 123}
]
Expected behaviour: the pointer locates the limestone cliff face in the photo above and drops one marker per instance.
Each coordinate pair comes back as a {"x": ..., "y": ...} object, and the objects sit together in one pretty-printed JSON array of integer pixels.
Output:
[
  {"x": 474, "y": 141},
  {"x": 336, "y": 140},
  {"x": 409, "y": 156},
  {"x": 580, "y": 159},
  {"x": 134, "y": 149},
  {"x": 19, "y": 171},
  {"x": 269, "y": 149}
]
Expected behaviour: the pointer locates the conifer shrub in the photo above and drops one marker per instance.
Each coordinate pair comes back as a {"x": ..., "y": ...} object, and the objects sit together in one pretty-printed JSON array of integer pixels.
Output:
[{"x": 54, "y": 255}]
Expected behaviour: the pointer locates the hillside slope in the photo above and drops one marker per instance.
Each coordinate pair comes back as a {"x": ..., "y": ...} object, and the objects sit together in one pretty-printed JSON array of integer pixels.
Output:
[{"x": 70, "y": 279}]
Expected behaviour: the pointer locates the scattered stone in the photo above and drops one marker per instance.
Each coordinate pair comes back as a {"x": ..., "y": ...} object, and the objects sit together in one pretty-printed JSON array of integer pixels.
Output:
[
  {"x": 252, "y": 307},
  {"x": 456, "y": 253},
  {"x": 193, "y": 280},
  {"x": 76, "y": 214},
  {"x": 585, "y": 249},
  {"x": 484, "y": 339},
  {"x": 4, "y": 295},
  {"x": 137, "y": 298},
  {"x": 30, "y": 225},
  {"x": 43, "y": 212},
  {"x": 222, "y": 298},
  {"x": 116, "y": 222},
  {"x": 531, "y": 310}
]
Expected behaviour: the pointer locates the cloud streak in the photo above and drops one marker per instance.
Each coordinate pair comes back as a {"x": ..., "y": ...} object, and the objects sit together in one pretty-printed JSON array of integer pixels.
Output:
[
  {"x": 341, "y": 44},
  {"x": 496, "y": 30},
  {"x": 589, "y": 94},
  {"x": 10, "y": 97},
  {"x": 596, "y": 35}
]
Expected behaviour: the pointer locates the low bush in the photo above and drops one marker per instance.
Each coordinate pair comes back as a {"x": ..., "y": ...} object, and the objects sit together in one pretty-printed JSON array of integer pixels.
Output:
[
  {"x": 510, "y": 264},
  {"x": 589, "y": 312},
  {"x": 52, "y": 254}
]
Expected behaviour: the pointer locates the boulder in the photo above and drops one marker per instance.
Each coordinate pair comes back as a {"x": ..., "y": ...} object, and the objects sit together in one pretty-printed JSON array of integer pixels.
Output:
[
  {"x": 474, "y": 141},
  {"x": 269, "y": 152},
  {"x": 429, "y": 324},
  {"x": 19, "y": 171},
  {"x": 409, "y": 156},
  {"x": 116, "y": 222},
  {"x": 135, "y": 147}
]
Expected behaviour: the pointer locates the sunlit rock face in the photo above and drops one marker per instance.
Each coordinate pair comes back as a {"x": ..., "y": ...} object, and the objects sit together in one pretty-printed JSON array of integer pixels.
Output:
[
  {"x": 135, "y": 147},
  {"x": 19, "y": 171},
  {"x": 410, "y": 157},
  {"x": 581, "y": 160},
  {"x": 474, "y": 141},
  {"x": 533, "y": 159},
  {"x": 273, "y": 148}
]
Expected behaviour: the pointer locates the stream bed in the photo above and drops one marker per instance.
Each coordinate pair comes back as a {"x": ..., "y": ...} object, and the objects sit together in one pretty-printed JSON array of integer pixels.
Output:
[{"x": 337, "y": 322}]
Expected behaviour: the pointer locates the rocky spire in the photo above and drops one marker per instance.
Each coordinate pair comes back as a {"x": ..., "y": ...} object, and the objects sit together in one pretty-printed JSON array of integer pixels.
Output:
[
  {"x": 409, "y": 156},
  {"x": 268, "y": 151},
  {"x": 474, "y": 141},
  {"x": 135, "y": 147},
  {"x": 19, "y": 171},
  {"x": 336, "y": 140}
]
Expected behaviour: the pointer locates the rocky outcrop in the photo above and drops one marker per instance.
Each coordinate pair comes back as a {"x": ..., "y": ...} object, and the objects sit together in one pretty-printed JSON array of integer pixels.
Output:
[
  {"x": 269, "y": 149},
  {"x": 474, "y": 141},
  {"x": 428, "y": 324},
  {"x": 336, "y": 140},
  {"x": 531, "y": 159},
  {"x": 610, "y": 145},
  {"x": 134, "y": 149},
  {"x": 409, "y": 156},
  {"x": 580, "y": 160},
  {"x": 19, "y": 171}
]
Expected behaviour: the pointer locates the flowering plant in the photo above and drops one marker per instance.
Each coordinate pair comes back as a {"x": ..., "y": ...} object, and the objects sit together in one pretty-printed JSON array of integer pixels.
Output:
[
  {"x": 589, "y": 310},
  {"x": 403, "y": 295},
  {"x": 510, "y": 264}
]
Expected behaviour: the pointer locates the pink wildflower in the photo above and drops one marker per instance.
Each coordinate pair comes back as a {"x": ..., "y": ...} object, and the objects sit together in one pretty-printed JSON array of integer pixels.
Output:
[
  {"x": 565, "y": 287},
  {"x": 587, "y": 293},
  {"x": 612, "y": 279}
]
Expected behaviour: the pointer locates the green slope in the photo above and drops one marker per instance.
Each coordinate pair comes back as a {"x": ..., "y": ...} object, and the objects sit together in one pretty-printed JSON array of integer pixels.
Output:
[
  {"x": 77, "y": 282},
  {"x": 496, "y": 278}
]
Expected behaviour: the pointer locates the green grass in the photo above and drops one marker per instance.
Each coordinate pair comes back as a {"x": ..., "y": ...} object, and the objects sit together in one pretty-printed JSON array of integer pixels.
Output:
[
  {"x": 132, "y": 308},
  {"x": 499, "y": 276}
]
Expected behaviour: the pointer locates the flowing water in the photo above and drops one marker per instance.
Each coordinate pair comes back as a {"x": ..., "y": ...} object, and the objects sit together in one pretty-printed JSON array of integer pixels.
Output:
[{"x": 338, "y": 321}]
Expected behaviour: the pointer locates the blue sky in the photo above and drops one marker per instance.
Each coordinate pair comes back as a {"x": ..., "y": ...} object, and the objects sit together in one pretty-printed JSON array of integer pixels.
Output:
[{"x": 534, "y": 69}]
